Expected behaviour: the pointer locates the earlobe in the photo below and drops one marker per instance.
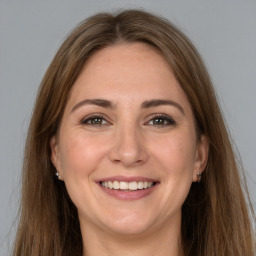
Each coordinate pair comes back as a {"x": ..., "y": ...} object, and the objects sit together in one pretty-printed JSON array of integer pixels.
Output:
[
  {"x": 201, "y": 157},
  {"x": 55, "y": 155}
]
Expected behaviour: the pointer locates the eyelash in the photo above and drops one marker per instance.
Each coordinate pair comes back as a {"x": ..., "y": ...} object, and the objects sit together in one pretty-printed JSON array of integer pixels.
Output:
[
  {"x": 167, "y": 121},
  {"x": 89, "y": 120}
]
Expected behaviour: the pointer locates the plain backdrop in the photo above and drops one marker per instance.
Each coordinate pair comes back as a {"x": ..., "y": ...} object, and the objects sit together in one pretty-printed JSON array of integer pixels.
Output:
[{"x": 31, "y": 31}]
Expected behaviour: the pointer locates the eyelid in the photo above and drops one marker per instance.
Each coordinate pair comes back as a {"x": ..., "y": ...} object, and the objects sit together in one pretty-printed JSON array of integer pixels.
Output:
[
  {"x": 161, "y": 116},
  {"x": 151, "y": 117},
  {"x": 94, "y": 116}
]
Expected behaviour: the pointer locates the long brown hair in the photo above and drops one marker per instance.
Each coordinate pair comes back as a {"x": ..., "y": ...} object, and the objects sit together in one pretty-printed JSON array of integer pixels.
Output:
[{"x": 215, "y": 215}]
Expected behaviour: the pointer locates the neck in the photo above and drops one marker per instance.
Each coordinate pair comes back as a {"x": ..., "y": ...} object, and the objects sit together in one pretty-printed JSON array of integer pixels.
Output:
[{"x": 164, "y": 241}]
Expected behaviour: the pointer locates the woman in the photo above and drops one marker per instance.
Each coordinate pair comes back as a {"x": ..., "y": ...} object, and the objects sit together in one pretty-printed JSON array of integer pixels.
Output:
[{"x": 127, "y": 152}]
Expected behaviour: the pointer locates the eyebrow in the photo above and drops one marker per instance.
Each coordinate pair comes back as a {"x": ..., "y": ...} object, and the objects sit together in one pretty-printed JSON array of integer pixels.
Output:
[
  {"x": 160, "y": 102},
  {"x": 98, "y": 102},
  {"x": 145, "y": 105}
]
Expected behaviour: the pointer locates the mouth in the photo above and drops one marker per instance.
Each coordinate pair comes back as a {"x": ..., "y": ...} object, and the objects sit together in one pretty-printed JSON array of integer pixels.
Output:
[{"x": 128, "y": 188}]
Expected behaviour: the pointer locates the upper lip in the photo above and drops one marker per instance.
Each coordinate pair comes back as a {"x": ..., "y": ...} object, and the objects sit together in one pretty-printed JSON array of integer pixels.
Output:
[{"x": 127, "y": 179}]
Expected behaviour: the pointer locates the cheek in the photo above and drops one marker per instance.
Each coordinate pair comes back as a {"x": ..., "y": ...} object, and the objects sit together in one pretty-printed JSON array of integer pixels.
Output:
[
  {"x": 174, "y": 163},
  {"x": 178, "y": 154},
  {"x": 80, "y": 155}
]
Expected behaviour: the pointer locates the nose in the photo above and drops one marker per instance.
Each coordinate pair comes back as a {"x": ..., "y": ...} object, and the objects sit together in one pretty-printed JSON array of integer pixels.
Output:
[{"x": 129, "y": 147}]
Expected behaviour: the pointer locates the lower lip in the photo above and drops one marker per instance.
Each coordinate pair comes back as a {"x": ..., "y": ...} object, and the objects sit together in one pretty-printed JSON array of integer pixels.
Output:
[{"x": 128, "y": 195}]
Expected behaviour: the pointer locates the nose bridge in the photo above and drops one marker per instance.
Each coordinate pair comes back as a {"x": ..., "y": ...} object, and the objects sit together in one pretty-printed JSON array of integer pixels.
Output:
[{"x": 128, "y": 147}]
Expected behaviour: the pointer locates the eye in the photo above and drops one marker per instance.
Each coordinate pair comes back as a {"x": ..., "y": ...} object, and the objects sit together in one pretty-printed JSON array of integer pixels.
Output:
[
  {"x": 96, "y": 120},
  {"x": 161, "y": 120}
]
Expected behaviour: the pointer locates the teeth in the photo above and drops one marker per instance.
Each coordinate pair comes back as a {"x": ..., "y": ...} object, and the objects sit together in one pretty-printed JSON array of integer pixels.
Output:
[
  {"x": 140, "y": 185},
  {"x": 122, "y": 185},
  {"x": 110, "y": 184},
  {"x": 116, "y": 185},
  {"x": 133, "y": 185}
]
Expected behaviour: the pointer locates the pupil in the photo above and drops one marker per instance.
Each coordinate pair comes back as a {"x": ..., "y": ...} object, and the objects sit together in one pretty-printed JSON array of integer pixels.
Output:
[
  {"x": 159, "y": 121},
  {"x": 96, "y": 121}
]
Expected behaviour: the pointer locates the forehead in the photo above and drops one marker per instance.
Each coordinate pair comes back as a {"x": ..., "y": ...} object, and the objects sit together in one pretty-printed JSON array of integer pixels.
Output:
[
  {"x": 134, "y": 70},
  {"x": 125, "y": 59}
]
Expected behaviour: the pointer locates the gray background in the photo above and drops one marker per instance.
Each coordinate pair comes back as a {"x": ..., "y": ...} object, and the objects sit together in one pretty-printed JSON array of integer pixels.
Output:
[{"x": 31, "y": 31}]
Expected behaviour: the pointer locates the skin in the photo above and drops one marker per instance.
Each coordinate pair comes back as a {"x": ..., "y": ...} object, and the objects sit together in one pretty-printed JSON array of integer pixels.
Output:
[{"x": 128, "y": 140}]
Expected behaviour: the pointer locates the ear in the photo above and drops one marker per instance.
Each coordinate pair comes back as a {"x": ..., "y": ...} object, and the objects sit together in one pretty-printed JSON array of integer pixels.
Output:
[
  {"x": 55, "y": 156},
  {"x": 201, "y": 156}
]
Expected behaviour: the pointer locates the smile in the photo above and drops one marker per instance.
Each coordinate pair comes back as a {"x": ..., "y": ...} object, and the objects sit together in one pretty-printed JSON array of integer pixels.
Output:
[{"x": 127, "y": 186}]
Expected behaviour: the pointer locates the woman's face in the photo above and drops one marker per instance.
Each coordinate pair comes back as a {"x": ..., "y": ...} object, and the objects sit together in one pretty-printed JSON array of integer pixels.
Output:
[{"x": 127, "y": 149}]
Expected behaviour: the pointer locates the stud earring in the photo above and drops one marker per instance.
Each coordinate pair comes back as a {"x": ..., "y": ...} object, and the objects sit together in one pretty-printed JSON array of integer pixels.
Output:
[
  {"x": 199, "y": 177},
  {"x": 57, "y": 175}
]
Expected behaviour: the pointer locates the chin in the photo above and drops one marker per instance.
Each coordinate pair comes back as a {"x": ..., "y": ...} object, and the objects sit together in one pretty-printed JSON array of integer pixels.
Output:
[
  {"x": 129, "y": 224},
  {"x": 134, "y": 229}
]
